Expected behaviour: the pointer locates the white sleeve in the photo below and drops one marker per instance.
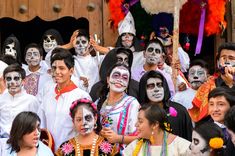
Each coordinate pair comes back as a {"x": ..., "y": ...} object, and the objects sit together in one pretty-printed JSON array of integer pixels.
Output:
[
  {"x": 132, "y": 116},
  {"x": 130, "y": 148},
  {"x": 42, "y": 116}
]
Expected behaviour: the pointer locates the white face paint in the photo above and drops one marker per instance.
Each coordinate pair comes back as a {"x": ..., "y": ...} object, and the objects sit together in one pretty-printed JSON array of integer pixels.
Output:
[
  {"x": 33, "y": 57},
  {"x": 49, "y": 43},
  {"x": 155, "y": 90},
  {"x": 197, "y": 76},
  {"x": 127, "y": 40},
  {"x": 13, "y": 82},
  {"x": 11, "y": 50},
  {"x": 119, "y": 79},
  {"x": 88, "y": 121},
  {"x": 198, "y": 145},
  {"x": 122, "y": 59},
  {"x": 154, "y": 54},
  {"x": 81, "y": 46}
]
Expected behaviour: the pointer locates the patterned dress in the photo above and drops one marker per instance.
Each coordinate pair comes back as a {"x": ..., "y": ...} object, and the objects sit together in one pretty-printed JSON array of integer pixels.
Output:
[{"x": 102, "y": 148}]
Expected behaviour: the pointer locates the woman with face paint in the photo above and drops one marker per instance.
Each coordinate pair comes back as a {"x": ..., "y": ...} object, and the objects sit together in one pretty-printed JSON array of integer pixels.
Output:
[
  {"x": 153, "y": 89},
  {"x": 154, "y": 137},
  {"x": 118, "y": 111},
  {"x": 207, "y": 140},
  {"x": 84, "y": 115},
  {"x": 24, "y": 137}
]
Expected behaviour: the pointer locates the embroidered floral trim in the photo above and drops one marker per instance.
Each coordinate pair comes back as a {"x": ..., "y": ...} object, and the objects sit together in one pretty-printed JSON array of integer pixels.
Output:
[
  {"x": 106, "y": 147},
  {"x": 67, "y": 148}
]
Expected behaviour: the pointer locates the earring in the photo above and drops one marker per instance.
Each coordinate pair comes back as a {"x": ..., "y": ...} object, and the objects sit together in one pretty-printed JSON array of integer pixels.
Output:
[
  {"x": 152, "y": 138},
  {"x": 95, "y": 126}
]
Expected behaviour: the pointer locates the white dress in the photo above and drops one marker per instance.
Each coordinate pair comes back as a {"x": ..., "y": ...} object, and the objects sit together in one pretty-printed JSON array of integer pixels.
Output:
[
  {"x": 54, "y": 113},
  {"x": 178, "y": 147}
]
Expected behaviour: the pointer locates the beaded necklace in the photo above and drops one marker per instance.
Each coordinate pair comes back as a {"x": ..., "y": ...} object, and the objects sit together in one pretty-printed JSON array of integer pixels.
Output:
[{"x": 92, "y": 148}]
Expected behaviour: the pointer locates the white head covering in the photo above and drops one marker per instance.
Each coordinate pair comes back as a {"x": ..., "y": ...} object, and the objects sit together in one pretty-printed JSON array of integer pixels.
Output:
[
  {"x": 127, "y": 25},
  {"x": 3, "y": 66}
]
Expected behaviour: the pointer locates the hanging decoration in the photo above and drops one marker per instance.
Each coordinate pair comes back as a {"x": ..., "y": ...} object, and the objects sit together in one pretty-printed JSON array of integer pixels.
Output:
[{"x": 156, "y": 6}]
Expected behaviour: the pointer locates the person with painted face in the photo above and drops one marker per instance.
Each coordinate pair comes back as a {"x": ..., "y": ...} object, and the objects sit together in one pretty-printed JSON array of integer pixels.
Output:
[
  {"x": 15, "y": 99},
  {"x": 36, "y": 75},
  {"x": 197, "y": 75},
  {"x": 154, "y": 54},
  {"x": 153, "y": 89},
  {"x": 220, "y": 100},
  {"x": 11, "y": 47},
  {"x": 86, "y": 66},
  {"x": 154, "y": 137},
  {"x": 207, "y": 140},
  {"x": 3, "y": 66},
  {"x": 226, "y": 62},
  {"x": 120, "y": 56},
  {"x": 54, "y": 108},
  {"x": 118, "y": 111},
  {"x": 24, "y": 137},
  {"x": 88, "y": 141}
]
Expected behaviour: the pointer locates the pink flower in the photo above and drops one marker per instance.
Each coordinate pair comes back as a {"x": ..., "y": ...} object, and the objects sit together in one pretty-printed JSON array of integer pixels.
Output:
[
  {"x": 172, "y": 112},
  {"x": 106, "y": 147},
  {"x": 67, "y": 148}
]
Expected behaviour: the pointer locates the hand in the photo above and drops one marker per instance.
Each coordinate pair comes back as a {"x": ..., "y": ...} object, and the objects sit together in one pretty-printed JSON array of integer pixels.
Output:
[
  {"x": 85, "y": 81},
  {"x": 182, "y": 86},
  {"x": 176, "y": 64},
  {"x": 110, "y": 135},
  {"x": 228, "y": 77},
  {"x": 73, "y": 38}
]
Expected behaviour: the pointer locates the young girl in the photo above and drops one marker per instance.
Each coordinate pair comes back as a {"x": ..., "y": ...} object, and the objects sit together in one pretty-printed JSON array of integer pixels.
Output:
[
  {"x": 154, "y": 137},
  {"x": 24, "y": 137},
  {"x": 84, "y": 115}
]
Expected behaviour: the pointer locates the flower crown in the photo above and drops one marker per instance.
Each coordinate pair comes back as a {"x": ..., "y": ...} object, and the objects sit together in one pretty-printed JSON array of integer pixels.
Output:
[
  {"x": 216, "y": 143},
  {"x": 83, "y": 100}
]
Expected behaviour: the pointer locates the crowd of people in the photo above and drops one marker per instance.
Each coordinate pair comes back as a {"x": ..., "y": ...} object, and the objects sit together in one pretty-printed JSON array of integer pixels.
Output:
[{"x": 122, "y": 101}]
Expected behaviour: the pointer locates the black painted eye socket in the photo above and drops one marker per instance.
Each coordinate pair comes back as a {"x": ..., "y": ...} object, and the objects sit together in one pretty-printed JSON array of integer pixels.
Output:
[
  {"x": 150, "y": 49},
  {"x": 16, "y": 78},
  {"x": 88, "y": 118},
  {"x": 84, "y": 42}
]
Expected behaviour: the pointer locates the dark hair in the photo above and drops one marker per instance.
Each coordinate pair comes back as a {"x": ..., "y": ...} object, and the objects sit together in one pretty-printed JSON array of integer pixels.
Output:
[
  {"x": 143, "y": 83},
  {"x": 105, "y": 90},
  {"x": 15, "y": 68},
  {"x": 201, "y": 63},
  {"x": 229, "y": 119},
  {"x": 84, "y": 32},
  {"x": 155, "y": 114},
  {"x": 208, "y": 131},
  {"x": 157, "y": 41},
  {"x": 88, "y": 104},
  {"x": 9, "y": 40},
  {"x": 62, "y": 54},
  {"x": 227, "y": 46},
  {"x": 225, "y": 92},
  {"x": 136, "y": 43},
  {"x": 24, "y": 123},
  {"x": 128, "y": 52},
  {"x": 8, "y": 59},
  {"x": 33, "y": 45}
]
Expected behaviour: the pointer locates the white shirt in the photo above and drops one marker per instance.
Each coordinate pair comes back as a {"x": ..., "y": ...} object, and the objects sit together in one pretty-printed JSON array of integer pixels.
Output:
[
  {"x": 10, "y": 106},
  {"x": 178, "y": 147},
  {"x": 88, "y": 66},
  {"x": 55, "y": 116},
  {"x": 138, "y": 59},
  {"x": 42, "y": 150}
]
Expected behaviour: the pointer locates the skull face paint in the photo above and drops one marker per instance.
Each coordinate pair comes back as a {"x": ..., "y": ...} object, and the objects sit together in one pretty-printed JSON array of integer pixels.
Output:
[
  {"x": 127, "y": 39},
  {"x": 153, "y": 54},
  {"x": 155, "y": 90},
  {"x": 197, "y": 76},
  {"x": 81, "y": 45},
  {"x": 33, "y": 57},
  {"x": 88, "y": 121},
  {"x": 49, "y": 43},
  {"x": 11, "y": 50},
  {"x": 119, "y": 79},
  {"x": 13, "y": 82},
  {"x": 198, "y": 146},
  {"x": 122, "y": 58}
]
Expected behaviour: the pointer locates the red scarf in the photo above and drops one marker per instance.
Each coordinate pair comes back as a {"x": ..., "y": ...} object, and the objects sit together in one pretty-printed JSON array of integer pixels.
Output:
[{"x": 66, "y": 89}]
